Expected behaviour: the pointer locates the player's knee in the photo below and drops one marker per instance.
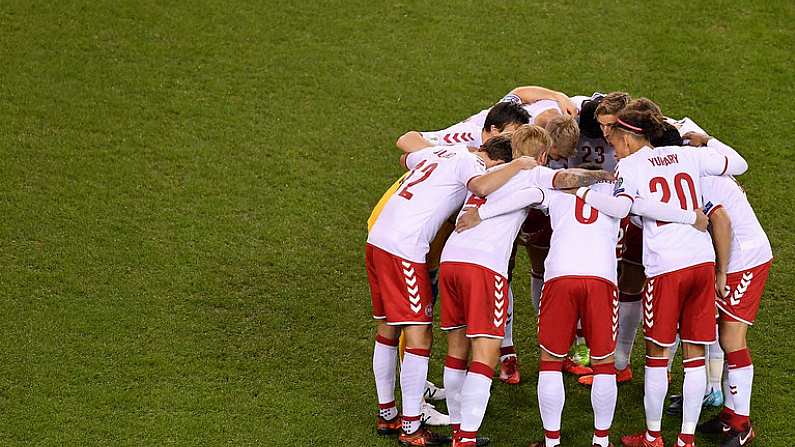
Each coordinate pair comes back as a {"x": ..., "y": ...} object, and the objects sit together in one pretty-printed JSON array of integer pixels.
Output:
[{"x": 418, "y": 336}]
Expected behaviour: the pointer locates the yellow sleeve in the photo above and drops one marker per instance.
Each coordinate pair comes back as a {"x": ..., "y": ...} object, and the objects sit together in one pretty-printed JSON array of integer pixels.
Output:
[{"x": 382, "y": 202}]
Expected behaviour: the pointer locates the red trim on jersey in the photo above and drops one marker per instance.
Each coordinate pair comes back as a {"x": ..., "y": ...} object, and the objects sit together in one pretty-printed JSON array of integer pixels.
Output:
[
  {"x": 725, "y": 165},
  {"x": 627, "y": 196},
  {"x": 472, "y": 178},
  {"x": 713, "y": 209}
]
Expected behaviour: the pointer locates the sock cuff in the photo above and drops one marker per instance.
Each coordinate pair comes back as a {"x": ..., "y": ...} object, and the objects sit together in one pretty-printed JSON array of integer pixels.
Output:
[
  {"x": 386, "y": 341},
  {"x": 387, "y": 405},
  {"x": 656, "y": 362},
  {"x": 601, "y": 433},
  {"x": 455, "y": 363},
  {"x": 459, "y": 434},
  {"x": 550, "y": 365},
  {"x": 604, "y": 368},
  {"x": 482, "y": 369},
  {"x": 455, "y": 427},
  {"x": 739, "y": 359},
  {"x": 695, "y": 362},
  {"x": 410, "y": 418},
  {"x": 552, "y": 434},
  {"x": 629, "y": 297},
  {"x": 507, "y": 350},
  {"x": 419, "y": 352}
]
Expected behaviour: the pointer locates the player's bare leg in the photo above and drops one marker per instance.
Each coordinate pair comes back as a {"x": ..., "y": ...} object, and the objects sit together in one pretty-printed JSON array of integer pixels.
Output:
[
  {"x": 509, "y": 364},
  {"x": 385, "y": 360}
]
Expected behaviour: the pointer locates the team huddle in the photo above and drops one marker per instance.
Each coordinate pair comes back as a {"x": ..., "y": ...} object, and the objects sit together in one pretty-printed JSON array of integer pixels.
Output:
[{"x": 628, "y": 218}]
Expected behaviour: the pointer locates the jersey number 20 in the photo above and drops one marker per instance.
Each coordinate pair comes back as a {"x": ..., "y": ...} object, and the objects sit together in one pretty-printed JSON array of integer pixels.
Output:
[{"x": 660, "y": 184}]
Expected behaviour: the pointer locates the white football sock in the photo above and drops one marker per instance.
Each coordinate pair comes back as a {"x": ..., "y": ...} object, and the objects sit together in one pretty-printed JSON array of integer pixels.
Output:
[
  {"x": 695, "y": 384},
  {"x": 728, "y": 398},
  {"x": 384, "y": 364},
  {"x": 475, "y": 396},
  {"x": 453, "y": 383},
  {"x": 413, "y": 373},
  {"x": 507, "y": 340},
  {"x": 604, "y": 393},
  {"x": 629, "y": 315},
  {"x": 551, "y": 398},
  {"x": 655, "y": 387},
  {"x": 714, "y": 367},
  {"x": 742, "y": 379},
  {"x": 536, "y": 288}
]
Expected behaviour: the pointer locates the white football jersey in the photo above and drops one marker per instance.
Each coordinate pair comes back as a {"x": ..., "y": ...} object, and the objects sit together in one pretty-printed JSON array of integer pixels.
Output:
[
  {"x": 490, "y": 243},
  {"x": 594, "y": 151},
  {"x": 583, "y": 239},
  {"x": 670, "y": 174},
  {"x": 432, "y": 192},
  {"x": 750, "y": 246},
  {"x": 466, "y": 132}
]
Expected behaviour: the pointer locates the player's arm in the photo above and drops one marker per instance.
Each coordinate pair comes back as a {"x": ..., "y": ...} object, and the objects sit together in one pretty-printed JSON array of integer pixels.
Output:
[
  {"x": 530, "y": 94},
  {"x": 576, "y": 178},
  {"x": 721, "y": 159},
  {"x": 486, "y": 184},
  {"x": 412, "y": 141},
  {"x": 721, "y": 240},
  {"x": 520, "y": 199}
]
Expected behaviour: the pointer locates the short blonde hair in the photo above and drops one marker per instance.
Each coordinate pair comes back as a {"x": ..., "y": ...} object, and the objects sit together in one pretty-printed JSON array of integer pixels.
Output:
[
  {"x": 612, "y": 103},
  {"x": 564, "y": 132},
  {"x": 530, "y": 140}
]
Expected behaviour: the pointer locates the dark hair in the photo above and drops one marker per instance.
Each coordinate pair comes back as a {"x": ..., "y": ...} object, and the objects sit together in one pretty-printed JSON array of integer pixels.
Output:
[
  {"x": 669, "y": 136},
  {"x": 589, "y": 125},
  {"x": 499, "y": 148},
  {"x": 505, "y": 113},
  {"x": 644, "y": 123},
  {"x": 666, "y": 134}
]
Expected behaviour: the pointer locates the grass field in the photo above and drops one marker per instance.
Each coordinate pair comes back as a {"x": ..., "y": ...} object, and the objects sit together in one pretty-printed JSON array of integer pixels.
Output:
[{"x": 185, "y": 187}]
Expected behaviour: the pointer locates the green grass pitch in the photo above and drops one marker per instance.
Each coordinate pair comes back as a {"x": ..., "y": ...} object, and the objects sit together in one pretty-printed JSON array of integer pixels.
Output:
[{"x": 185, "y": 185}]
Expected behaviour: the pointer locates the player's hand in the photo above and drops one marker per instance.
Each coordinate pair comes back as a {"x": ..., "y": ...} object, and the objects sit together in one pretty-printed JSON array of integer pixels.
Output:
[
  {"x": 526, "y": 162},
  {"x": 470, "y": 219},
  {"x": 566, "y": 105},
  {"x": 702, "y": 221},
  {"x": 696, "y": 139},
  {"x": 721, "y": 289}
]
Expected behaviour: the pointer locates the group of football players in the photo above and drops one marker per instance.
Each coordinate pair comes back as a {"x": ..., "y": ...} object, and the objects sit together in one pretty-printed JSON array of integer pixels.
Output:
[{"x": 627, "y": 217}]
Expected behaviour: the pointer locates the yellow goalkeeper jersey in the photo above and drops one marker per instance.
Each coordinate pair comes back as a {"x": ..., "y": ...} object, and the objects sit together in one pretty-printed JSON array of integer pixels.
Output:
[{"x": 382, "y": 201}]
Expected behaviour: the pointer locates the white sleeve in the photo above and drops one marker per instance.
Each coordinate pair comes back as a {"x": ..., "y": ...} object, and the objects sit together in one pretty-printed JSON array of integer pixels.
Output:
[
  {"x": 456, "y": 134},
  {"x": 518, "y": 200},
  {"x": 469, "y": 166},
  {"x": 734, "y": 163},
  {"x": 414, "y": 158},
  {"x": 709, "y": 197},
  {"x": 626, "y": 184},
  {"x": 542, "y": 177},
  {"x": 511, "y": 97},
  {"x": 662, "y": 212},
  {"x": 613, "y": 206}
]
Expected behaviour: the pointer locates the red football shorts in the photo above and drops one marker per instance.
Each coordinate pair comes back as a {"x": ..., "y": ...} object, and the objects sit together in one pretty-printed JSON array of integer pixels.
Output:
[
  {"x": 566, "y": 299},
  {"x": 475, "y": 297},
  {"x": 400, "y": 289},
  {"x": 683, "y": 299},
  {"x": 633, "y": 243},
  {"x": 746, "y": 288}
]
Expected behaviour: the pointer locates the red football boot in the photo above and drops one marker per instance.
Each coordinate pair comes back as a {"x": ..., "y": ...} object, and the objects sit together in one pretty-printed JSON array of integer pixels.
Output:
[
  {"x": 575, "y": 368},
  {"x": 509, "y": 370},
  {"x": 388, "y": 427},
  {"x": 639, "y": 440},
  {"x": 423, "y": 436}
]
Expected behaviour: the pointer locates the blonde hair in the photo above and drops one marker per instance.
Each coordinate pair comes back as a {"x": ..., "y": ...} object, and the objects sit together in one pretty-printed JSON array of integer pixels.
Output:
[
  {"x": 564, "y": 132},
  {"x": 612, "y": 103},
  {"x": 530, "y": 140}
]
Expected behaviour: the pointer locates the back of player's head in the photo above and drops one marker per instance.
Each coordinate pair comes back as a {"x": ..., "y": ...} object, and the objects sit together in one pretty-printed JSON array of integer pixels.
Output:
[
  {"x": 564, "y": 132},
  {"x": 612, "y": 103},
  {"x": 530, "y": 140},
  {"x": 643, "y": 123},
  {"x": 666, "y": 134},
  {"x": 589, "y": 125},
  {"x": 504, "y": 114},
  {"x": 499, "y": 147}
]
